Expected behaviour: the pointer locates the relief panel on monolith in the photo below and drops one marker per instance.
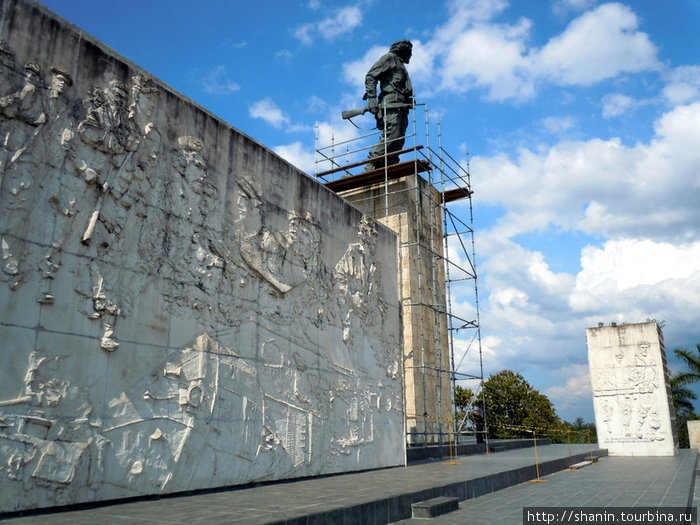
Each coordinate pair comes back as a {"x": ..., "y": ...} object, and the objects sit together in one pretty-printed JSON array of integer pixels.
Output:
[{"x": 631, "y": 393}]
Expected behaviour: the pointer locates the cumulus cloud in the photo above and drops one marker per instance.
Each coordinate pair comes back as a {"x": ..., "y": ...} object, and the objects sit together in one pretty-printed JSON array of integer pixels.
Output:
[
  {"x": 683, "y": 85},
  {"x": 267, "y": 110},
  {"x": 628, "y": 214},
  {"x": 558, "y": 125},
  {"x": 628, "y": 270},
  {"x": 344, "y": 20},
  {"x": 473, "y": 50},
  {"x": 297, "y": 155},
  {"x": 304, "y": 156},
  {"x": 575, "y": 394},
  {"x": 616, "y": 104},
  {"x": 489, "y": 56},
  {"x": 603, "y": 187},
  {"x": 354, "y": 72},
  {"x": 217, "y": 82},
  {"x": 598, "y": 45}
]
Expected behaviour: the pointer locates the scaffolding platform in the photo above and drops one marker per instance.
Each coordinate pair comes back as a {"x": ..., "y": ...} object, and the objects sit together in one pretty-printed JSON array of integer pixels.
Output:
[{"x": 377, "y": 176}]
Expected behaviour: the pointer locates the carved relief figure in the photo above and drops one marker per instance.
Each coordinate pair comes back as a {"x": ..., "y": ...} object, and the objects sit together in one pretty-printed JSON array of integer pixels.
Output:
[
  {"x": 108, "y": 312},
  {"x": 59, "y": 132},
  {"x": 358, "y": 283},
  {"x": 106, "y": 129},
  {"x": 25, "y": 112},
  {"x": 644, "y": 376},
  {"x": 27, "y": 106},
  {"x": 261, "y": 250},
  {"x": 306, "y": 270},
  {"x": 137, "y": 181},
  {"x": 108, "y": 126}
]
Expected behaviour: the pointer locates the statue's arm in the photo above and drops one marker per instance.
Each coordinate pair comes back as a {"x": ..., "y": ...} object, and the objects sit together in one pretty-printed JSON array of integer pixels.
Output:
[{"x": 374, "y": 75}]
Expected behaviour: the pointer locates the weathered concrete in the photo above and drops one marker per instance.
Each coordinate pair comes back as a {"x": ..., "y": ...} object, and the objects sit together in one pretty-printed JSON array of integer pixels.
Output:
[
  {"x": 631, "y": 391},
  {"x": 179, "y": 307}
]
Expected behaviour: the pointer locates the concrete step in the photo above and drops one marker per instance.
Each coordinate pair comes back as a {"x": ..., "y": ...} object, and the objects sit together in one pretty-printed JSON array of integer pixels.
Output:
[{"x": 434, "y": 507}]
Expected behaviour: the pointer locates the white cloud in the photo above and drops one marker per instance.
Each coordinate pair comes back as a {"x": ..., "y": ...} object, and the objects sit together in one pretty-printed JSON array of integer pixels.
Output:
[
  {"x": 305, "y": 157},
  {"x": 298, "y": 156},
  {"x": 683, "y": 85},
  {"x": 490, "y": 56},
  {"x": 558, "y": 125},
  {"x": 267, "y": 110},
  {"x": 344, "y": 20},
  {"x": 217, "y": 82},
  {"x": 615, "y": 104},
  {"x": 305, "y": 33},
  {"x": 473, "y": 50},
  {"x": 642, "y": 201},
  {"x": 602, "y": 187},
  {"x": 575, "y": 396},
  {"x": 466, "y": 12},
  {"x": 599, "y": 45},
  {"x": 655, "y": 274},
  {"x": 354, "y": 72}
]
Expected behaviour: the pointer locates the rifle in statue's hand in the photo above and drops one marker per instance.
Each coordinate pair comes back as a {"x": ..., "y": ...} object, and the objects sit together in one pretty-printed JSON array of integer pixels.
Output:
[
  {"x": 350, "y": 113},
  {"x": 372, "y": 108}
]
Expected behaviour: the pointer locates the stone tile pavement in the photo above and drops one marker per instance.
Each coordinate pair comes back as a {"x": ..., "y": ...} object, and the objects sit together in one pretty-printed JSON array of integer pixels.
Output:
[{"x": 385, "y": 496}]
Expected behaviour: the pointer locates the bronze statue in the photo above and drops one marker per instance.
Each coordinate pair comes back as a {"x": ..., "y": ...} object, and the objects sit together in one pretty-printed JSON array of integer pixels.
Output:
[{"x": 391, "y": 107}]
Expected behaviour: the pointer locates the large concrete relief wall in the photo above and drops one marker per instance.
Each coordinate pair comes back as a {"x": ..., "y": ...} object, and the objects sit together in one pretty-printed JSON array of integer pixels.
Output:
[
  {"x": 631, "y": 391},
  {"x": 179, "y": 307}
]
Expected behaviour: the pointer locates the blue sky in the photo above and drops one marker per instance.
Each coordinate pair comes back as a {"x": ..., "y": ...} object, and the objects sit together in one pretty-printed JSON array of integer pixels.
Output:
[{"x": 582, "y": 120}]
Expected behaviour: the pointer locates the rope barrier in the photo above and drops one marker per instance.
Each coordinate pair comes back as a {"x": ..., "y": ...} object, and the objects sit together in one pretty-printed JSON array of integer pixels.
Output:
[{"x": 543, "y": 432}]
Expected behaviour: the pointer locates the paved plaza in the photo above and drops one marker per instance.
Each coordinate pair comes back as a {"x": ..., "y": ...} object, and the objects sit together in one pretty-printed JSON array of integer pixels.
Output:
[
  {"x": 495, "y": 486},
  {"x": 612, "y": 482}
]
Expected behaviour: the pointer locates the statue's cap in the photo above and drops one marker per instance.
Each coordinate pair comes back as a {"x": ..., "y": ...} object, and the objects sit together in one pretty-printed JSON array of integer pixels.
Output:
[{"x": 401, "y": 44}]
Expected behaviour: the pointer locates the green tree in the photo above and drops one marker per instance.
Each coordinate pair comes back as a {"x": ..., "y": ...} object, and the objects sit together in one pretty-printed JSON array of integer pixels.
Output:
[
  {"x": 514, "y": 407},
  {"x": 683, "y": 396},
  {"x": 579, "y": 432},
  {"x": 464, "y": 398},
  {"x": 464, "y": 402}
]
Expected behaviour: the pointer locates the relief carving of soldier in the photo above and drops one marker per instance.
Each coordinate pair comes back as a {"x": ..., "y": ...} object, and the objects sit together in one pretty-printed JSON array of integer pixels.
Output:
[
  {"x": 27, "y": 109},
  {"x": 358, "y": 283},
  {"x": 24, "y": 113},
  {"x": 107, "y": 126}
]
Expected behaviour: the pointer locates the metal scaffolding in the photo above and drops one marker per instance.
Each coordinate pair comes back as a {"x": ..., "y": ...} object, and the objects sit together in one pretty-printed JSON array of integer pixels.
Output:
[{"x": 427, "y": 199}]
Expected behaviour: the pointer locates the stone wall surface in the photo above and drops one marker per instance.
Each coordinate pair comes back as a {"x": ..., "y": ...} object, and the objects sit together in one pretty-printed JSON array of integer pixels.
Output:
[
  {"x": 631, "y": 390},
  {"x": 179, "y": 307},
  {"x": 410, "y": 207}
]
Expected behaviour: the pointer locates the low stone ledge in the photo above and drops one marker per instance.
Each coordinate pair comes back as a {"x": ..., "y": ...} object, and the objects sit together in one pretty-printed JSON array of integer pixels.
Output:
[{"x": 434, "y": 507}]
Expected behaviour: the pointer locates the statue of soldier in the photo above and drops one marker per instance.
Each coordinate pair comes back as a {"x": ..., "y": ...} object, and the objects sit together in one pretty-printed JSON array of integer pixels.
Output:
[{"x": 394, "y": 102}]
